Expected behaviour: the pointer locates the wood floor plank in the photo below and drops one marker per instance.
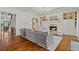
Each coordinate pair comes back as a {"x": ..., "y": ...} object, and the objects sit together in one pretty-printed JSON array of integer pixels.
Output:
[
  {"x": 65, "y": 44},
  {"x": 19, "y": 43}
]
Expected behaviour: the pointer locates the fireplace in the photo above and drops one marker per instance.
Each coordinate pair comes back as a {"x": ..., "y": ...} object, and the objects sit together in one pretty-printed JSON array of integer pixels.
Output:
[{"x": 53, "y": 28}]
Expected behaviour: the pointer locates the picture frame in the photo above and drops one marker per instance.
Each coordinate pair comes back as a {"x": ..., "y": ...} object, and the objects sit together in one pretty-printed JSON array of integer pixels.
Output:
[
  {"x": 34, "y": 23},
  {"x": 69, "y": 15}
]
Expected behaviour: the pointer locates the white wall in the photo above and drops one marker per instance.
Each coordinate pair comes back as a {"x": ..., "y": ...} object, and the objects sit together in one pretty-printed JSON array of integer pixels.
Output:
[
  {"x": 63, "y": 23},
  {"x": 23, "y": 19},
  {"x": 68, "y": 26}
]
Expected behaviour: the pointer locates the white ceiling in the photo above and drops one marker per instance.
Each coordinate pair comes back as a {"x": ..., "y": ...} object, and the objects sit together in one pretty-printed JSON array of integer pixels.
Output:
[
  {"x": 42, "y": 10},
  {"x": 38, "y": 10}
]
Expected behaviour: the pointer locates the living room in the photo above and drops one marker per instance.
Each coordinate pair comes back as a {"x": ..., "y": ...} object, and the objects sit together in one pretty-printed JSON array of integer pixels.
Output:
[{"x": 49, "y": 27}]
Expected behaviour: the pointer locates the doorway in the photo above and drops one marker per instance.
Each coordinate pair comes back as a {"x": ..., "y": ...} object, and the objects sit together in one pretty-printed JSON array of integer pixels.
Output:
[{"x": 7, "y": 27}]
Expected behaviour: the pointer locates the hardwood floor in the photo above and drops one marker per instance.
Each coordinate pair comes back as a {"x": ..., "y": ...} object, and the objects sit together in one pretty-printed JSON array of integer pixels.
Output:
[
  {"x": 19, "y": 43},
  {"x": 65, "y": 44}
]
